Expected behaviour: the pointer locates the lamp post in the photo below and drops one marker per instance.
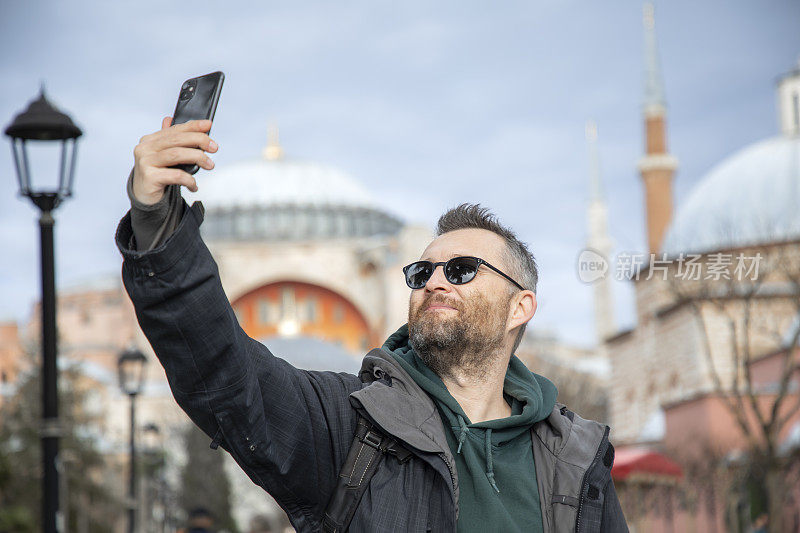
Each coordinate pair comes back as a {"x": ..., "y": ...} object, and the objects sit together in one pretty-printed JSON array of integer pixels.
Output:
[
  {"x": 41, "y": 122},
  {"x": 131, "y": 378}
]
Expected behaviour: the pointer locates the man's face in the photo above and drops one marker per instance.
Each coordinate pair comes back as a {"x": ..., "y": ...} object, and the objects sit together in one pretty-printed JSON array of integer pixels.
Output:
[{"x": 461, "y": 326}]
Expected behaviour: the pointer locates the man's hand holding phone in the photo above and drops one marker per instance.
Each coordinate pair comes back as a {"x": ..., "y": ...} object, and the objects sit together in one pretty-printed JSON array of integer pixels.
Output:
[{"x": 185, "y": 143}]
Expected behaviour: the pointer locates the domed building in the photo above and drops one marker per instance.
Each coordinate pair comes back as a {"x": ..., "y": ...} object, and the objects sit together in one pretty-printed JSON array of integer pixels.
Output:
[
  {"x": 708, "y": 375},
  {"x": 311, "y": 263},
  {"x": 306, "y": 252},
  {"x": 739, "y": 227}
]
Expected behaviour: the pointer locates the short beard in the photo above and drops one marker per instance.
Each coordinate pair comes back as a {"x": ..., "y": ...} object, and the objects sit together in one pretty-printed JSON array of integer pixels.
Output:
[{"x": 466, "y": 343}]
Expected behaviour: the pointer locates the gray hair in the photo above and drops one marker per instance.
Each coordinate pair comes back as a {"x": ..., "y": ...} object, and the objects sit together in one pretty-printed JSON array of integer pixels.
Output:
[{"x": 521, "y": 263}]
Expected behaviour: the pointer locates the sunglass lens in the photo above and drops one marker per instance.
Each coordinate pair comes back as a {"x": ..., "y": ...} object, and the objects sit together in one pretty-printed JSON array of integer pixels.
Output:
[
  {"x": 461, "y": 270},
  {"x": 418, "y": 273}
]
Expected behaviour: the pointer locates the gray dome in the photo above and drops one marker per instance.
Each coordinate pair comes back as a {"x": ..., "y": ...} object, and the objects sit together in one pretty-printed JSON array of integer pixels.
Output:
[
  {"x": 263, "y": 182},
  {"x": 277, "y": 199},
  {"x": 750, "y": 198}
]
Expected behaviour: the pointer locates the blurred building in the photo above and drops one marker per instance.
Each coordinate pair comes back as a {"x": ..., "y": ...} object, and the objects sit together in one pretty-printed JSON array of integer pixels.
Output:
[
  {"x": 11, "y": 357},
  {"x": 746, "y": 205},
  {"x": 311, "y": 262},
  {"x": 716, "y": 303},
  {"x": 305, "y": 251}
]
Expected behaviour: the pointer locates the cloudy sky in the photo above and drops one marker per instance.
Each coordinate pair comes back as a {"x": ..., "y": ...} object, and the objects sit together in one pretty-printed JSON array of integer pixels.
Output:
[{"x": 426, "y": 104}]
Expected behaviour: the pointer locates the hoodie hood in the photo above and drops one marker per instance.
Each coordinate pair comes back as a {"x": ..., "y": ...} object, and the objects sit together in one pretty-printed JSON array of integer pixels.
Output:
[{"x": 530, "y": 396}]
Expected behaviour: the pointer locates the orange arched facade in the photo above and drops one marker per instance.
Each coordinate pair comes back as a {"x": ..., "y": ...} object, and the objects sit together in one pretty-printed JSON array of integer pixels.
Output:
[{"x": 297, "y": 308}]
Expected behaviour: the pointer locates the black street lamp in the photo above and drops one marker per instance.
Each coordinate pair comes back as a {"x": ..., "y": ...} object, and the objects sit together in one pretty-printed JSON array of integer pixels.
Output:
[
  {"x": 131, "y": 378},
  {"x": 42, "y": 122}
]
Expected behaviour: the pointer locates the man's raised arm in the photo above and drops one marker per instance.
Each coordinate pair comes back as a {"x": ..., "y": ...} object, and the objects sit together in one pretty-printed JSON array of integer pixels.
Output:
[{"x": 289, "y": 429}]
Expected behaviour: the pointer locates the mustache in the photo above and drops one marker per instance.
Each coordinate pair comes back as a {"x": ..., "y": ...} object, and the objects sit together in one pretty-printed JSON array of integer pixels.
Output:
[{"x": 438, "y": 301}]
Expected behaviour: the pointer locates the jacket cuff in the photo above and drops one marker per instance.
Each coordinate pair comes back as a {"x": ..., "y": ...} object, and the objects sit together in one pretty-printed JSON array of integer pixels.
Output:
[{"x": 162, "y": 258}]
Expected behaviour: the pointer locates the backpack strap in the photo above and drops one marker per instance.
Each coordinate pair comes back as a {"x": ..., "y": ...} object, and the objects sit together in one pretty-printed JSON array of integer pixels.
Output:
[{"x": 365, "y": 456}]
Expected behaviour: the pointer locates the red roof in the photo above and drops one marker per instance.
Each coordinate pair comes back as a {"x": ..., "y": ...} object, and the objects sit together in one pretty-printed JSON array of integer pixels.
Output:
[{"x": 634, "y": 460}]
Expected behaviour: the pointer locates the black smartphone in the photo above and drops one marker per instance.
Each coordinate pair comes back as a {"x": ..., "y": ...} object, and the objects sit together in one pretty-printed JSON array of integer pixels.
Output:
[{"x": 197, "y": 101}]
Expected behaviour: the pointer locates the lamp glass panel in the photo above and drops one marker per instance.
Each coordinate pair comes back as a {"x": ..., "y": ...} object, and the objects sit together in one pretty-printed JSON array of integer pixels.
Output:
[
  {"x": 151, "y": 438},
  {"x": 20, "y": 155},
  {"x": 43, "y": 161},
  {"x": 131, "y": 373}
]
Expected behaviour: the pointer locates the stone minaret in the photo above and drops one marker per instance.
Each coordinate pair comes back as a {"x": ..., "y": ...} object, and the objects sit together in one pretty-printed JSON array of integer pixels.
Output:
[
  {"x": 657, "y": 166},
  {"x": 598, "y": 239},
  {"x": 789, "y": 102}
]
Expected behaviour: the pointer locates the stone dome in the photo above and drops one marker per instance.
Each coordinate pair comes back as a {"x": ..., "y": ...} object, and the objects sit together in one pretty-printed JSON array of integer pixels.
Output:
[
  {"x": 263, "y": 182},
  {"x": 272, "y": 198},
  {"x": 750, "y": 198}
]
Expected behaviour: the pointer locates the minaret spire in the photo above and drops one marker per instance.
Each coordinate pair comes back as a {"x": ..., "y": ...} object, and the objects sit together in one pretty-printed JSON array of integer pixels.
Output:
[
  {"x": 654, "y": 100},
  {"x": 657, "y": 166},
  {"x": 598, "y": 239},
  {"x": 595, "y": 183}
]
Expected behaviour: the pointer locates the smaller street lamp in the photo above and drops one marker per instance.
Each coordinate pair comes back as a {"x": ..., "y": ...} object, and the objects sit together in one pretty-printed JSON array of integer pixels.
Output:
[
  {"x": 151, "y": 442},
  {"x": 131, "y": 371},
  {"x": 130, "y": 365},
  {"x": 153, "y": 451}
]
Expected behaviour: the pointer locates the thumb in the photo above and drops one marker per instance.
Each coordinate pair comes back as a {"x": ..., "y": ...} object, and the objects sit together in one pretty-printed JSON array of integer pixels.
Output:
[{"x": 166, "y": 123}]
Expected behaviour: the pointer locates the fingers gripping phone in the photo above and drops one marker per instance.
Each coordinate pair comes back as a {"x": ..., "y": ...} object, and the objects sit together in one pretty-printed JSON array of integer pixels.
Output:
[{"x": 197, "y": 101}]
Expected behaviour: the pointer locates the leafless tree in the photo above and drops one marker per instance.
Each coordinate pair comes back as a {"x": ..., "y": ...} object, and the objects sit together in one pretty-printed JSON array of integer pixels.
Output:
[{"x": 743, "y": 317}]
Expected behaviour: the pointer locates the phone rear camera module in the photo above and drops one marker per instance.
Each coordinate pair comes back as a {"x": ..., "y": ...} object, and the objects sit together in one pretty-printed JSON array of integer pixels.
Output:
[{"x": 188, "y": 90}]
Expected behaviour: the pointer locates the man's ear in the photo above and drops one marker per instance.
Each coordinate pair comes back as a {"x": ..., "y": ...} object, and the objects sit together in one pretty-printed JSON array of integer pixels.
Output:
[{"x": 524, "y": 309}]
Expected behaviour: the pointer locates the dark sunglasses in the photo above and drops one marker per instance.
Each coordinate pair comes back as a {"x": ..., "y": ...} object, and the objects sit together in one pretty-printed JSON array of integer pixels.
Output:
[{"x": 458, "y": 271}]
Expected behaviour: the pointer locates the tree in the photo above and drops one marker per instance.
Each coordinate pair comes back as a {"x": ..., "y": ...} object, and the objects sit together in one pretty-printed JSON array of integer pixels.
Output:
[
  {"x": 204, "y": 482},
  {"x": 743, "y": 317},
  {"x": 88, "y": 501}
]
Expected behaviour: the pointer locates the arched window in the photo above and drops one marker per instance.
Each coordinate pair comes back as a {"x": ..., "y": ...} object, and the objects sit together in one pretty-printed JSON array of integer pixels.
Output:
[
  {"x": 264, "y": 315},
  {"x": 338, "y": 313},
  {"x": 288, "y": 306}
]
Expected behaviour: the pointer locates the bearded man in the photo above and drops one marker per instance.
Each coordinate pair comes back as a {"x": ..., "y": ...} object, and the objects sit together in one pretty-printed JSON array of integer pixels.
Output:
[{"x": 444, "y": 429}]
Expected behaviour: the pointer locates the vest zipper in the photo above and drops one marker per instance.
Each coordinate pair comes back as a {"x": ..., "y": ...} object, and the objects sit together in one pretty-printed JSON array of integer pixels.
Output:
[
  {"x": 583, "y": 481},
  {"x": 452, "y": 481}
]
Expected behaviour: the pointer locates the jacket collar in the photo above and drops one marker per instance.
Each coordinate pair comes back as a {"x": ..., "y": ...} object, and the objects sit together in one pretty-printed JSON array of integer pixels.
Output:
[
  {"x": 403, "y": 409},
  {"x": 569, "y": 437}
]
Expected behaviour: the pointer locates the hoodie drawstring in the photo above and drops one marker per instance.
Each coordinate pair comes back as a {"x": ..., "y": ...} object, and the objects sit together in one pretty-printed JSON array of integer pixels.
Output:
[
  {"x": 489, "y": 469},
  {"x": 463, "y": 434}
]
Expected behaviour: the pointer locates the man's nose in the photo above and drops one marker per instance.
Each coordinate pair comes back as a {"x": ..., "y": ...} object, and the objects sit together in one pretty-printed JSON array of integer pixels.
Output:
[{"x": 438, "y": 280}]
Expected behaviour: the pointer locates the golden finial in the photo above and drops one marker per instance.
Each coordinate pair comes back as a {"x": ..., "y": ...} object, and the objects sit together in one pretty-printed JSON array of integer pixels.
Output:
[
  {"x": 591, "y": 130},
  {"x": 273, "y": 150}
]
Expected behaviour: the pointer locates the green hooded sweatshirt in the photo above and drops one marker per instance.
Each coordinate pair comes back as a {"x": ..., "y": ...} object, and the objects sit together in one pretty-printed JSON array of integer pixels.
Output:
[{"x": 494, "y": 458}]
